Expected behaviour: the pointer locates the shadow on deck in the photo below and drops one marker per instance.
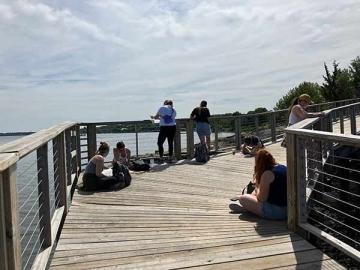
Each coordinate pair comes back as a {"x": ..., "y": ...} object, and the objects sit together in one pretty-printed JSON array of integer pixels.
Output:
[{"x": 178, "y": 217}]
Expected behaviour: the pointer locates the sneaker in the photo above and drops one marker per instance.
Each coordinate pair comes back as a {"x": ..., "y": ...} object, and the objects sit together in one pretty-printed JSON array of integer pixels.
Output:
[
  {"x": 172, "y": 160},
  {"x": 235, "y": 208},
  {"x": 234, "y": 199}
]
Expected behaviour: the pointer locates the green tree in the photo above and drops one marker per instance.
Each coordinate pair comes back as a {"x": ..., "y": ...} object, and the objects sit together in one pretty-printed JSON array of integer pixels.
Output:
[
  {"x": 312, "y": 89},
  {"x": 355, "y": 75},
  {"x": 338, "y": 84}
]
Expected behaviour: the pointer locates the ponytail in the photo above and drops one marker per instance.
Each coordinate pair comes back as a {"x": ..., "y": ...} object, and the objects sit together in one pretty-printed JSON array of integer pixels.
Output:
[
  {"x": 103, "y": 148},
  {"x": 294, "y": 102}
]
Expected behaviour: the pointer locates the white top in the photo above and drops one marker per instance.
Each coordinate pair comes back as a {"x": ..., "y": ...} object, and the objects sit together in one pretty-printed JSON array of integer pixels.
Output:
[
  {"x": 167, "y": 115},
  {"x": 293, "y": 118}
]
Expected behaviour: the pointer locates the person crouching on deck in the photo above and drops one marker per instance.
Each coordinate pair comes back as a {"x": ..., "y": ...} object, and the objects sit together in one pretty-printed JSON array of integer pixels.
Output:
[
  {"x": 122, "y": 154},
  {"x": 269, "y": 199},
  {"x": 93, "y": 178}
]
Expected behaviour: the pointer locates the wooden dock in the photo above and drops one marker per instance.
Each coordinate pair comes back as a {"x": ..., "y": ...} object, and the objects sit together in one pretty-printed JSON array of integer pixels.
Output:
[{"x": 177, "y": 217}]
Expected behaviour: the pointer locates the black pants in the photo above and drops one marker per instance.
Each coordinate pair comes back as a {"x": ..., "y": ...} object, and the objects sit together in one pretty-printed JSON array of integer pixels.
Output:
[
  {"x": 166, "y": 132},
  {"x": 93, "y": 182}
]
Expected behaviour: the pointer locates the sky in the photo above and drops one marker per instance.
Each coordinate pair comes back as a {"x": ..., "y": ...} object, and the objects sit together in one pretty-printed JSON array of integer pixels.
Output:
[{"x": 115, "y": 60}]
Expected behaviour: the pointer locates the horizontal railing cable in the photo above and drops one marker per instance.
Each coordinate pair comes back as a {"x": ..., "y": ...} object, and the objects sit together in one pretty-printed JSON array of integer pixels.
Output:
[
  {"x": 29, "y": 182},
  {"x": 336, "y": 166},
  {"x": 335, "y": 176},
  {"x": 333, "y": 156},
  {"x": 333, "y": 230},
  {"x": 39, "y": 248},
  {"x": 30, "y": 211},
  {"x": 31, "y": 223},
  {"x": 333, "y": 208},
  {"x": 29, "y": 197},
  {"x": 333, "y": 219},
  {"x": 28, "y": 168},
  {"x": 330, "y": 175},
  {"x": 334, "y": 198}
]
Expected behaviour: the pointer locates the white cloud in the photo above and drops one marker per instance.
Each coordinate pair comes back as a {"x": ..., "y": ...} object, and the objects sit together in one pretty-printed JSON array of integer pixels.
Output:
[{"x": 237, "y": 54}]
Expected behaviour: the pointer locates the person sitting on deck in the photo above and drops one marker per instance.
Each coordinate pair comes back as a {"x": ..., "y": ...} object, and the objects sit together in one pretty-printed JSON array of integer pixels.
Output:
[
  {"x": 251, "y": 145},
  {"x": 122, "y": 154},
  {"x": 269, "y": 199},
  {"x": 93, "y": 178}
]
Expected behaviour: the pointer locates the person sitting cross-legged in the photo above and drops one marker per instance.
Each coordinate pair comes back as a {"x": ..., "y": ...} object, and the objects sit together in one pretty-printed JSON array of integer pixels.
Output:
[{"x": 269, "y": 199}]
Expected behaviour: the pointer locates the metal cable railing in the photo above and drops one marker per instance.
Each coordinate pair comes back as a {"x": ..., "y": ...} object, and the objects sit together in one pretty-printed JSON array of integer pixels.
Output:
[{"x": 328, "y": 171}]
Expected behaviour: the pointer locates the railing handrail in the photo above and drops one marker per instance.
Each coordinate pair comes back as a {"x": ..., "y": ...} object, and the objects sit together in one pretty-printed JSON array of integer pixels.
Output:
[
  {"x": 25, "y": 145},
  {"x": 311, "y": 121},
  {"x": 217, "y": 117}
]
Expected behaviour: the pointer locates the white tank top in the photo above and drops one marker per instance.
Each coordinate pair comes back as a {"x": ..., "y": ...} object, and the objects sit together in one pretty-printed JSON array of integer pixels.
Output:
[{"x": 293, "y": 118}]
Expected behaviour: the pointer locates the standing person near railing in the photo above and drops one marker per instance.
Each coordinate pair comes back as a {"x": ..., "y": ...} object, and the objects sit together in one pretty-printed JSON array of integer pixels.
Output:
[
  {"x": 201, "y": 116},
  {"x": 298, "y": 112},
  {"x": 93, "y": 178},
  {"x": 167, "y": 115},
  {"x": 269, "y": 199},
  {"x": 298, "y": 109}
]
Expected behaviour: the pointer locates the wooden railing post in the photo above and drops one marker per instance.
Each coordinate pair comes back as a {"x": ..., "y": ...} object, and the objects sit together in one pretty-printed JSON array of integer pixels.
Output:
[
  {"x": 257, "y": 125},
  {"x": 216, "y": 143},
  {"x": 238, "y": 133},
  {"x": 136, "y": 140},
  {"x": 44, "y": 195},
  {"x": 78, "y": 150},
  {"x": 273, "y": 126},
  {"x": 292, "y": 185},
  {"x": 341, "y": 116},
  {"x": 3, "y": 253},
  {"x": 177, "y": 141},
  {"x": 68, "y": 156},
  {"x": 60, "y": 170},
  {"x": 353, "y": 120},
  {"x": 91, "y": 140},
  {"x": 301, "y": 181},
  {"x": 11, "y": 218},
  {"x": 190, "y": 139}
]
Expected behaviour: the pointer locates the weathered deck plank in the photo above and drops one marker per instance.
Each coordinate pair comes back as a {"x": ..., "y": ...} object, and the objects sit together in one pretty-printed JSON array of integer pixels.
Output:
[{"x": 177, "y": 217}]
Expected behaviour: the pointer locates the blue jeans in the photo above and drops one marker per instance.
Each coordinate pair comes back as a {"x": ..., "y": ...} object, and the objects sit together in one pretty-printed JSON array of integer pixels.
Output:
[{"x": 271, "y": 211}]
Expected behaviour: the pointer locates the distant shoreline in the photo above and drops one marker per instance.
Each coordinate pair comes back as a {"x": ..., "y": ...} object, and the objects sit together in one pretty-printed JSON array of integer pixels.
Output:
[{"x": 16, "y": 133}]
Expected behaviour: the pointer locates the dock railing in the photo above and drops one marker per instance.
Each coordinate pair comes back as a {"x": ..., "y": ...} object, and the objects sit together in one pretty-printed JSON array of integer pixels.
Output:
[
  {"x": 324, "y": 178},
  {"x": 228, "y": 131},
  {"x": 38, "y": 173},
  {"x": 37, "y": 177}
]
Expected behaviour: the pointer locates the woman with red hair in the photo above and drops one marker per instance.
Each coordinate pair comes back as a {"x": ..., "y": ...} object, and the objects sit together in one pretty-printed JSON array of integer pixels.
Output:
[{"x": 269, "y": 199}]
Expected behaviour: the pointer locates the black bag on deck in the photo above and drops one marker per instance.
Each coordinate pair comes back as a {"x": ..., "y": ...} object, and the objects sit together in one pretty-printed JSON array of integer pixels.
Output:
[
  {"x": 201, "y": 153},
  {"x": 249, "y": 188},
  {"x": 121, "y": 172},
  {"x": 139, "y": 166}
]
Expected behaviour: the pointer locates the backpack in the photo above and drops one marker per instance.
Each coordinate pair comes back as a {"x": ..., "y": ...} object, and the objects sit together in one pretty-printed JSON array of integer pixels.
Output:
[
  {"x": 201, "y": 153},
  {"x": 139, "y": 166},
  {"x": 168, "y": 117},
  {"x": 121, "y": 172}
]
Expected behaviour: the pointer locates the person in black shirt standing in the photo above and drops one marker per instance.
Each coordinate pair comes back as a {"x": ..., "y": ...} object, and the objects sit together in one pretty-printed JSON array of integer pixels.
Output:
[{"x": 201, "y": 116}]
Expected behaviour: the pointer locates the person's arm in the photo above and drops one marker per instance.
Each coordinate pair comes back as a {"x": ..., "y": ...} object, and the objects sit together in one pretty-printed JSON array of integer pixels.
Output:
[
  {"x": 128, "y": 155},
  {"x": 156, "y": 116},
  {"x": 302, "y": 114},
  {"x": 116, "y": 154},
  {"x": 266, "y": 179},
  {"x": 99, "y": 163},
  {"x": 193, "y": 114}
]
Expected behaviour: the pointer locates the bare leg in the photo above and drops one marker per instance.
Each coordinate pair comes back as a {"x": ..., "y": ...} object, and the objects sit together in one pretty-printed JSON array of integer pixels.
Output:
[
  {"x": 202, "y": 139},
  {"x": 250, "y": 203},
  {"x": 208, "y": 141}
]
